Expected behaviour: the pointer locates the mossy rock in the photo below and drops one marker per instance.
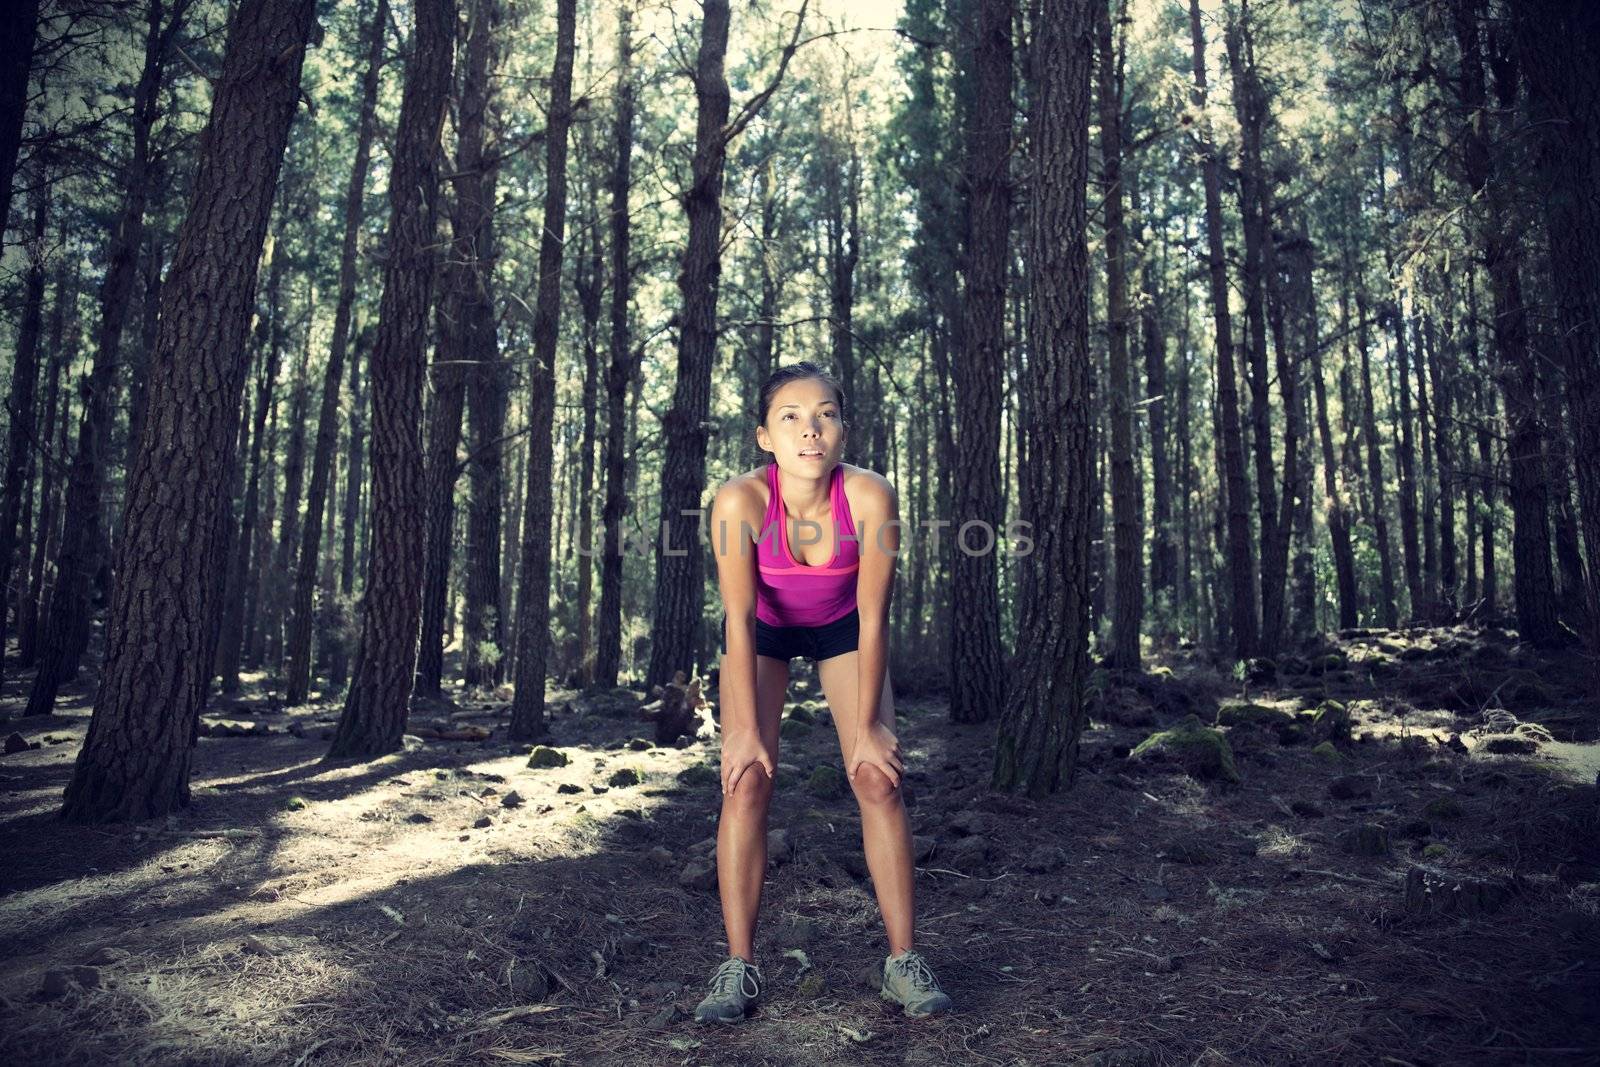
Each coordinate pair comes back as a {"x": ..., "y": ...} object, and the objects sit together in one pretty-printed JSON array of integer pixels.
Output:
[
  {"x": 827, "y": 782},
  {"x": 1202, "y": 751},
  {"x": 802, "y": 713},
  {"x": 699, "y": 774},
  {"x": 624, "y": 777},
  {"x": 811, "y": 986},
  {"x": 1434, "y": 851},
  {"x": 1368, "y": 839},
  {"x": 1509, "y": 745},
  {"x": 296, "y": 804},
  {"x": 795, "y": 728},
  {"x": 1247, "y": 713},
  {"x": 545, "y": 756},
  {"x": 1326, "y": 751},
  {"x": 1292, "y": 734},
  {"x": 1445, "y": 807},
  {"x": 1332, "y": 661},
  {"x": 1160, "y": 672},
  {"x": 1331, "y": 721},
  {"x": 641, "y": 744}
]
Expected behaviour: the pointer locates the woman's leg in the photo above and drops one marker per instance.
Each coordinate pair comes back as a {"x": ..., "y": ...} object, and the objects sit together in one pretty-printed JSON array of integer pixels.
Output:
[
  {"x": 885, "y": 829},
  {"x": 742, "y": 832}
]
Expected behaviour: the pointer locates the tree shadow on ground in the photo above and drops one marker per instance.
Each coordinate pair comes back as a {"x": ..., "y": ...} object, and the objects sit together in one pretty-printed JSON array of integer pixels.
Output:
[{"x": 1144, "y": 917}]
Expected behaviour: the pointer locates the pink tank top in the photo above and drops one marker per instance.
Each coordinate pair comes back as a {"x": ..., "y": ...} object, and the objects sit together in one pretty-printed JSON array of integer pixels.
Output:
[{"x": 790, "y": 593}]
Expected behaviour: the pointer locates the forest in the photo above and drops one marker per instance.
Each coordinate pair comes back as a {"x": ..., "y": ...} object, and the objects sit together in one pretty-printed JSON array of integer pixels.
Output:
[{"x": 369, "y": 370}]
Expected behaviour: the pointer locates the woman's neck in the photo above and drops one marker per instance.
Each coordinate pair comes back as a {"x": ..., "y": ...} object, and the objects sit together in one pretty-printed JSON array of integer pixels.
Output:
[{"x": 805, "y": 498}]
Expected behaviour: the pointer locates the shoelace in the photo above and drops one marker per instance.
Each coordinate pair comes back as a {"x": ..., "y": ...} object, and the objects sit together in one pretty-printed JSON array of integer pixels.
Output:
[
  {"x": 914, "y": 967},
  {"x": 731, "y": 975}
]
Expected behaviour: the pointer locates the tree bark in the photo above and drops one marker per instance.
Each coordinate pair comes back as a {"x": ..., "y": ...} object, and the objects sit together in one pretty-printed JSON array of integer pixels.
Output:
[
  {"x": 1037, "y": 742},
  {"x": 533, "y": 596},
  {"x": 978, "y": 688},
  {"x": 379, "y": 698},
  {"x": 298, "y": 683},
  {"x": 134, "y": 763}
]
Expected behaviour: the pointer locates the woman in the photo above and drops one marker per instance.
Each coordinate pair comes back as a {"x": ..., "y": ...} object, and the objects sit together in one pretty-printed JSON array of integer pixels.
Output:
[{"x": 805, "y": 558}]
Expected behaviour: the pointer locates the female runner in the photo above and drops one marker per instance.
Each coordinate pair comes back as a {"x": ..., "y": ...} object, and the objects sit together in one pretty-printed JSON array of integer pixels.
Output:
[{"x": 806, "y": 549}]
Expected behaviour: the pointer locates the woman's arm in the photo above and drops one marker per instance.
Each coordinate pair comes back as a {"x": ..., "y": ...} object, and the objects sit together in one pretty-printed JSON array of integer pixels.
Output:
[
  {"x": 878, "y": 527},
  {"x": 732, "y": 523}
]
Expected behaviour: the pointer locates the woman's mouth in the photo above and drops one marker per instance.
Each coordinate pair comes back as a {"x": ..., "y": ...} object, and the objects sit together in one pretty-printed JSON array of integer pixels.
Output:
[{"x": 811, "y": 453}]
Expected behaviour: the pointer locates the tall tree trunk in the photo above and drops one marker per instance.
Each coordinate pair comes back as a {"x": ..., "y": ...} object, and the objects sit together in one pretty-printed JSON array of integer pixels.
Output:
[
  {"x": 483, "y": 625},
  {"x": 1251, "y": 107},
  {"x": 1241, "y": 560},
  {"x": 1128, "y": 596},
  {"x": 1037, "y": 743},
  {"x": 679, "y": 555},
  {"x": 354, "y": 481},
  {"x": 298, "y": 683},
  {"x": 67, "y": 631},
  {"x": 465, "y": 285},
  {"x": 1337, "y": 518},
  {"x": 379, "y": 698},
  {"x": 533, "y": 595},
  {"x": 1533, "y": 582},
  {"x": 1163, "y": 549},
  {"x": 590, "y": 286},
  {"x": 20, "y": 404},
  {"x": 441, "y": 465},
  {"x": 1378, "y": 513},
  {"x": 277, "y": 592},
  {"x": 64, "y": 305},
  {"x": 621, "y": 368},
  {"x": 1441, "y": 357},
  {"x": 19, "y": 22},
  {"x": 231, "y": 637},
  {"x": 134, "y": 763},
  {"x": 978, "y": 688},
  {"x": 1555, "y": 38}
]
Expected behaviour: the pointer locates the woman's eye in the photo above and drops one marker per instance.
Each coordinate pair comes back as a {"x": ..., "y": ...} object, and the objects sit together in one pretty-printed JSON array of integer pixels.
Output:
[{"x": 789, "y": 415}]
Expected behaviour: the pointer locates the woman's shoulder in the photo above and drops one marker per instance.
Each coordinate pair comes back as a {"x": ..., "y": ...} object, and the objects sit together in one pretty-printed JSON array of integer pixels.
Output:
[
  {"x": 746, "y": 490},
  {"x": 865, "y": 487}
]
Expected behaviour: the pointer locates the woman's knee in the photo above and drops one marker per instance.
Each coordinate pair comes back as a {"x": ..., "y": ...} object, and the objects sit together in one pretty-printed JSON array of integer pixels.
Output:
[
  {"x": 872, "y": 786},
  {"x": 753, "y": 791}
]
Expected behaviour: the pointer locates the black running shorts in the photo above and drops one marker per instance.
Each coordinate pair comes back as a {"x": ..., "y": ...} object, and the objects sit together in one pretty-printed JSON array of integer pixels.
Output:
[{"x": 813, "y": 642}]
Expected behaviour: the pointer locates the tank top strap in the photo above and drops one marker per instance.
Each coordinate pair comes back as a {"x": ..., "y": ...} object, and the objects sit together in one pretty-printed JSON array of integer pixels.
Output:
[{"x": 843, "y": 520}]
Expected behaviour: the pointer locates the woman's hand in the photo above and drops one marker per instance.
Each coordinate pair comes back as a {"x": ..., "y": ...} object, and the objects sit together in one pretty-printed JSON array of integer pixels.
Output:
[
  {"x": 878, "y": 747},
  {"x": 742, "y": 750}
]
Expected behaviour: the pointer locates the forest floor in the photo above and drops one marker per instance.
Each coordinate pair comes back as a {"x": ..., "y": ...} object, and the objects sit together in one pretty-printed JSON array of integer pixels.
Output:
[{"x": 410, "y": 910}]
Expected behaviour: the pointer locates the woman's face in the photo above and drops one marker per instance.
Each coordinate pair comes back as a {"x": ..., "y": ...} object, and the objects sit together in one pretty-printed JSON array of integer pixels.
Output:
[{"x": 804, "y": 431}]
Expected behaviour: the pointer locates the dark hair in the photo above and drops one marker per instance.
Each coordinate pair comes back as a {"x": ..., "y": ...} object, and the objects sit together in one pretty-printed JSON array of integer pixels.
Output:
[{"x": 791, "y": 373}]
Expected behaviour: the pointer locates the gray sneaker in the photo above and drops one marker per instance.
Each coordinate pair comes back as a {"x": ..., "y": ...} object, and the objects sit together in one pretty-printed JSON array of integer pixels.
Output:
[
  {"x": 909, "y": 982},
  {"x": 735, "y": 988}
]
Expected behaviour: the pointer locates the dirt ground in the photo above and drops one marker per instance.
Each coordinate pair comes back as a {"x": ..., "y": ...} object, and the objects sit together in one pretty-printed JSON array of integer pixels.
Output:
[{"x": 411, "y": 911}]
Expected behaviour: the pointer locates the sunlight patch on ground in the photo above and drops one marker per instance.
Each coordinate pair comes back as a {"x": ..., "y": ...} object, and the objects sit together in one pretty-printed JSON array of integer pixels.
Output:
[{"x": 1277, "y": 841}]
